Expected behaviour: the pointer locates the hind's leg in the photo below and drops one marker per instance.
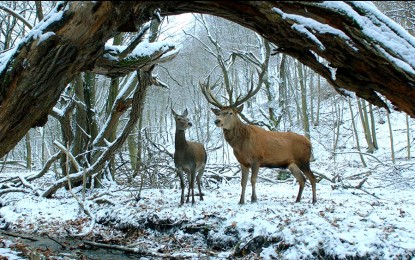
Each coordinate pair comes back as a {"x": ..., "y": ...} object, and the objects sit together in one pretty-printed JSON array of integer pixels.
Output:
[
  {"x": 180, "y": 173},
  {"x": 199, "y": 179},
  {"x": 188, "y": 186},
  {"x": 192, "y": 185}
]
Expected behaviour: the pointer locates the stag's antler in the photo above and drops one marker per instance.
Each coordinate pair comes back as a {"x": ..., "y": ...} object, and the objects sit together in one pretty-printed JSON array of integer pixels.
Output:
[
  {"x": 251, "y": 92},
  {"x": 207, "y": 92}
]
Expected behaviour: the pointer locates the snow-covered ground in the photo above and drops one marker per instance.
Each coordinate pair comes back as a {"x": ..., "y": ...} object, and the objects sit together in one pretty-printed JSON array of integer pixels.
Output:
[{"x": 377, "y": 222}]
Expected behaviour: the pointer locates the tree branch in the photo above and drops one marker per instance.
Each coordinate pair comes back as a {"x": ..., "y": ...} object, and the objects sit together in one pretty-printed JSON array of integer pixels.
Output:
[
  {"x": 138, "y": 98},
  {"x": 17, "y": 16},
  {"x": 112, "y": 64},
  {"x": 130, "y": 250},
  {"x": 69, "y": 155}
]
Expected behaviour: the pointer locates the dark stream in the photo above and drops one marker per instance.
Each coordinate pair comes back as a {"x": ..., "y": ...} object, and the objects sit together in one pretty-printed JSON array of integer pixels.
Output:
[{"x": 71, "y": 248}]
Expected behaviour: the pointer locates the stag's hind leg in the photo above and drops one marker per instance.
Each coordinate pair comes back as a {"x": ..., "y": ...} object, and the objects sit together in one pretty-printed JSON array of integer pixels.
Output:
[
  {"x": 312, "y": 178},
  {"x": 300, "y": 178}
]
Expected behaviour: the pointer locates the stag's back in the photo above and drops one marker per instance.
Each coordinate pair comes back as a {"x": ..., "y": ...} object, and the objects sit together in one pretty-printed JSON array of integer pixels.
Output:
[{"x": 270, "y": 149}]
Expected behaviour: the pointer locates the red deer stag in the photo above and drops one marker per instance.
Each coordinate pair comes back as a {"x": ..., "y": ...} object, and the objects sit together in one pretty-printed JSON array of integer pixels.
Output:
[
  {"x": 189, "y": 157},
  {"x": 255, "y": 147}
]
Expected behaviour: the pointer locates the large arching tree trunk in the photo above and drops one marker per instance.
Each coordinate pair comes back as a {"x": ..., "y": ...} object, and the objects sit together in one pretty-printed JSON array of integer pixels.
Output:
[
  {"x": 352, "y": 45},
  {"x": 40, "y": 68}
]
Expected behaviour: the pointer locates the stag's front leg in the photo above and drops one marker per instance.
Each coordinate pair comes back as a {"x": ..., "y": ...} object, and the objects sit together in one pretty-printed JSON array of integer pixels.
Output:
[
  {"x": 254, "y": 175},
  {"x": 244, "y": 181}
]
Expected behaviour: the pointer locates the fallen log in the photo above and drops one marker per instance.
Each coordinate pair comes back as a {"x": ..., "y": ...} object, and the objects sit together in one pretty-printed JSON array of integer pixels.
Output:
[{"x": 135, "y": 250}]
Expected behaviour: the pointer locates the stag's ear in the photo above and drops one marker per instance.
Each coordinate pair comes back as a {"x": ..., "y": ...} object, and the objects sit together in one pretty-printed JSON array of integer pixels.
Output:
[
  {"x": 240, "y": 108},
  {"x": 215, "y": 111},
  {"x": 185, "y": 112}
]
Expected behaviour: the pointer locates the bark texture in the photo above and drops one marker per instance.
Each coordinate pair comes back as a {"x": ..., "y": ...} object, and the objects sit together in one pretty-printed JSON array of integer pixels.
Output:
[{"x": 40, "y": 67}]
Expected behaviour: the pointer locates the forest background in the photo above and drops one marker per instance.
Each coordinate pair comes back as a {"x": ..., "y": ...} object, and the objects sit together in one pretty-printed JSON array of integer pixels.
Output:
[
  {"x": 292, "y": 98},
  {"x": 346, "y": 132}
]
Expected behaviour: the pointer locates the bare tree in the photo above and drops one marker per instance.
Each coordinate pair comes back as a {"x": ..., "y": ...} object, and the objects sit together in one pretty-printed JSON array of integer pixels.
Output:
[
  {"x": 365, "y": 125},
  {"x": 391, "y": 138},
  {"x": 304, "y": 108},
  {"x": 356, "y": 134},
  {"x": 74, "y": 35}
]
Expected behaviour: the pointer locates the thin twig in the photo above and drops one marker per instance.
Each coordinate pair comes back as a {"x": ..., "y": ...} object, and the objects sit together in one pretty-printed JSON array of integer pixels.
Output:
[
  {"x": 18, "y": 235},
  {"x": 54, "y": 240},
  {"x": 368, "y": 154}
]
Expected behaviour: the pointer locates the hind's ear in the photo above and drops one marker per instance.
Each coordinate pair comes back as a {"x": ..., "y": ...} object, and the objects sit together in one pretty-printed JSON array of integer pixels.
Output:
[
  {"x": 185, "y": 112},
  {"x": 174, "y": 113},
  {"x": 215, "y": 111}
]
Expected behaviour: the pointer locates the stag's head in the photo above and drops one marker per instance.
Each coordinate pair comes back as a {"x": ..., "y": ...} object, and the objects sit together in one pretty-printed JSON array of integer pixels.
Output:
[
  {"x": 182, "y": 122},
  {"x": 227, "y": 116}
]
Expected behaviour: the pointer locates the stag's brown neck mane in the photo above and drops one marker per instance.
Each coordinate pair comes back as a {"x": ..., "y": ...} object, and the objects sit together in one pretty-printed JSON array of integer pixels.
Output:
[{"x": 237, "y": 133}]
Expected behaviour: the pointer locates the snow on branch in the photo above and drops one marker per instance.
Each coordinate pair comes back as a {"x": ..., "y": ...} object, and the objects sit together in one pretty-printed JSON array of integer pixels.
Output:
[
  {"x": 381, "y": 30},
  {"x": 28, "y": 185},
  {"x": 71, "y": 157},
  {"x": 114, "y": 64},
  {"x": 12, "y": 189},
  {"x": 135, "y": 42},
  {"x": 37, "y": 32},
  {"x": 121, "y": 104},
  {"x": 310, "y": 28}
]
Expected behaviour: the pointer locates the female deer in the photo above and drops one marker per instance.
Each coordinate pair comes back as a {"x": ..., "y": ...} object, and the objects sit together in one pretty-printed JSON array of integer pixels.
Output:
[{"x": 189, "y": 157}]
